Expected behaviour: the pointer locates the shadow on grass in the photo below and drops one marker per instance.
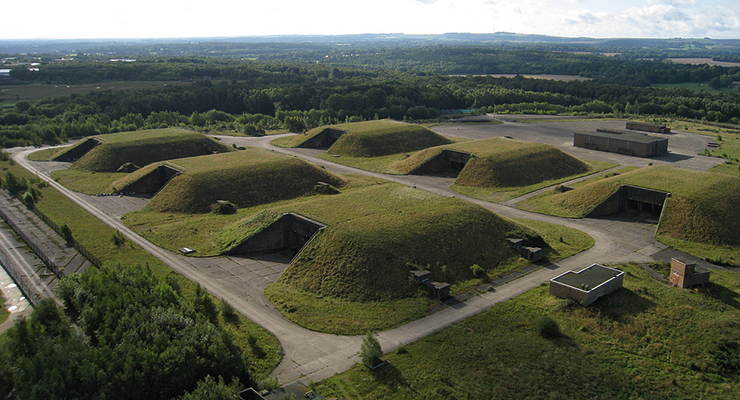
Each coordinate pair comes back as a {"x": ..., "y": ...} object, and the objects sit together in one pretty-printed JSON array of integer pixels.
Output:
[
  {"x": 622, "y": 303},
  {"x": 391, "y": 377},
  {"x": 722, "y": 294}
]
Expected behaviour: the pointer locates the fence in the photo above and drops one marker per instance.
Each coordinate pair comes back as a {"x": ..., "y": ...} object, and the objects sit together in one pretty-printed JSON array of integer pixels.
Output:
[
  {"x": 35, "y": 248},
  {"x": 79, "y": 247},
  {"x": 14, "y": 275}
]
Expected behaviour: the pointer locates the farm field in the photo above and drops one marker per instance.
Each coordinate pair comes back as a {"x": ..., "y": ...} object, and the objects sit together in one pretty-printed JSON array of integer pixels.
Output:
[{"x": 36, "y": 92}]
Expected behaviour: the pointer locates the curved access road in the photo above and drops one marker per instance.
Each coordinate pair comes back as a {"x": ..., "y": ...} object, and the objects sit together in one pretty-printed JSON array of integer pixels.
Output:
[{"x": 313, "y": 356}]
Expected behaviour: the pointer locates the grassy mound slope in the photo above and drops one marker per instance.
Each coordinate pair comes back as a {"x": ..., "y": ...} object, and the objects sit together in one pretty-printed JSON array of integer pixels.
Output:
[
  {"x": 376, "y": 235},
  {"x": 378, "y": 138},
  {"x": 245, "y": 178},
  {"x": 702, "y": 208},
  {"x": 502, "y": 162},
  {"x": 146, "y": 147}
]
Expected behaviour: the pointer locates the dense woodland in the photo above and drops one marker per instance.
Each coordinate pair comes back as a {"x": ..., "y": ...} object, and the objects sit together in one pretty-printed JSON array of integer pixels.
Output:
[
  {"x": 415, "y": 83},
  {"x": 123, "y": 334}
]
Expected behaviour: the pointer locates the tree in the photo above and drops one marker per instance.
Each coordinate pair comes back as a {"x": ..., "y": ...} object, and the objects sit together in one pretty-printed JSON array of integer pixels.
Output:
[
  {"x": 370, "y": 351},
  {"x": 548, "y": 328}
]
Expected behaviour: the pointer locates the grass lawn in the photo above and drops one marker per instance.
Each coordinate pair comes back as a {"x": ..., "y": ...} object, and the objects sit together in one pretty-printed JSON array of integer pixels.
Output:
[
  {"x": 97, "y": 237},
  {"x": 648, "y": 341},
  {"x": 88, "y": 182}
]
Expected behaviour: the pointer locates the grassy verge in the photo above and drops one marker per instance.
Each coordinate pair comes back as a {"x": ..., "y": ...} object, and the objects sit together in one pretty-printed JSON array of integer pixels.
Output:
[
  {"x": 97, "y": 237},
  {"x": 44, "y": 155},
  {"x": 501, "y": 194},
  {"x": 4, "y": 314},
  {"x": 89, "y": 182},
  {"x": 647, "y": 340},
  {"x": 342, "y": 317},
  {"x": 383, "y": 164}
]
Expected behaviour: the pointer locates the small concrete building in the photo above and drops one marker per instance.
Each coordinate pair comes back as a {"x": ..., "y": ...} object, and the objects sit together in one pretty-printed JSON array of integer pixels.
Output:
[
  {"x": 645, "y": 127},
  {"x": 684, "y": 274},
  {"x": 588, "y": 284},
  {"x": 622, "y": 142}
]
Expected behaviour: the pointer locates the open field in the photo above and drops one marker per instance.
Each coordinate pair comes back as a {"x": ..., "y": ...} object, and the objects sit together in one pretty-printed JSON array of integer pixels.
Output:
[
  {"x": 647, "y": 340},
  {"x": 700, "y": 61},
  {"x": 10, "y": 94},
  {"x": 97, "y": 237}
]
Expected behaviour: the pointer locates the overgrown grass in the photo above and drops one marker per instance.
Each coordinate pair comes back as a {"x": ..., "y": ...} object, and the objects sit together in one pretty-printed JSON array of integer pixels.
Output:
[
  {"x": 648, "y": 340},
  {"x": 145, "y": 147},
  {"x": 500, "y": 194},
  {"x": 97, "y": 237},
  {"x": 342, "y": 317},
  {"x": 245, "y": 178},
  {"x": 88, "y": 182},
  {"x": 4, "y": 313},
  {"x": 701, "y": 208},
  {"x": 373, "y": 138}
]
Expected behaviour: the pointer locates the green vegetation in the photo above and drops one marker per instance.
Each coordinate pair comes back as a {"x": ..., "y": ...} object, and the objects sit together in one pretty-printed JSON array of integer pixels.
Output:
[
  {"x": 648, "y": 340},
  {"x": 86, "y": 181},
  {"x": 124, "y": 333},
  {"x": 373, "y": 138},
  {"x": 701, "y": 208},
  {"x": 4, "y": 314},
  {"x": 370, "y": 350},
  {"x": 343, "y": 317},
  {"x": 96, "y": 237},
  {"x": 144, "y": 147},
  {"x": 245, "y": 178}
]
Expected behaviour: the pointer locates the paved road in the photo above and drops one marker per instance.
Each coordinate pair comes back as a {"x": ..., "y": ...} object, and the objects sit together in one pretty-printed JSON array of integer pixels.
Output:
[{"x": 314, "y": 356}]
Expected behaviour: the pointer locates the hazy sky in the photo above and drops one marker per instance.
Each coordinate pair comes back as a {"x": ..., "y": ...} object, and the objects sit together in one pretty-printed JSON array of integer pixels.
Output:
[{"x": 207, "y": 18}]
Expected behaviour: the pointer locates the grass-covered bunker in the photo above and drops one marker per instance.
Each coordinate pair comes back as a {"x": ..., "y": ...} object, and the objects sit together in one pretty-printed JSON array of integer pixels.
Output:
[
  {"x": 244, "y": 178},
  {"x": 108, "y": 153},
  {"x": 376, "y": 235},
  {"x": 495, "y": 162},
  {"x": 370, "y": 138}
]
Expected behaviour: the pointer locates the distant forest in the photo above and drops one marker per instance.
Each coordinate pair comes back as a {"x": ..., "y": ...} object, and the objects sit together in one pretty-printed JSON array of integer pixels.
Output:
[{"x": 299, "y": 86}]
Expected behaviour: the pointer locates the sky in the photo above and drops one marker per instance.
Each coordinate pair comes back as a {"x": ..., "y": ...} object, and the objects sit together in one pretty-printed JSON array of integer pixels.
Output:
[{"x": 92, "y": 19}]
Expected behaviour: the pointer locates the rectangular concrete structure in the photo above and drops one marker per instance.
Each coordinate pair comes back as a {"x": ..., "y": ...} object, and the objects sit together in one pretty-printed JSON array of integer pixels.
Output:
[
  {"x": 644, "y": 126},
  {"x": 622, "y": 142},
  {"x": 588, "y": 284},
  {"x": 684, "y": 274}
]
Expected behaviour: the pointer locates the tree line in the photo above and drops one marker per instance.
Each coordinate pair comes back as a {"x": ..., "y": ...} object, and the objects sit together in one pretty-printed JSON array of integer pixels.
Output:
[{"x": 251, "y": 97}]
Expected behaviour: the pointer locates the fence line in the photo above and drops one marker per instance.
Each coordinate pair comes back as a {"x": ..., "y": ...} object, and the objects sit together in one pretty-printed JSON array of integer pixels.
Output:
[
  {"x": 10, "y": 269},
  {"x": 77, "y": 245},
  {"x": 30, "y": 243}
]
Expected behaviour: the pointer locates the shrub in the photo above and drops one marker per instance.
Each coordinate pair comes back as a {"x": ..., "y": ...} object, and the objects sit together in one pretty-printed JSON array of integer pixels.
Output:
[
  {"x": 370, "y": 350},
  {"x": 67, "y": 234},
  {"x": 477, "y": 271},
  {"x": 547, "y": 327},
  {"x": 223, "y": 207},
  {"x": 118, "y": 239}
]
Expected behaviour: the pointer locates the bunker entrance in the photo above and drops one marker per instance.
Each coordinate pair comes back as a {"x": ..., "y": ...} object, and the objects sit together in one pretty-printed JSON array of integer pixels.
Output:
[
  {"x": 324, "y": 139},
  {"x": 290, "y": 232},
  {"x": 633, "y": 199},
  {"x": 446, "y": 162},
  {"x": 78, "y": 151},
  {"x": 152, "y": 182}
]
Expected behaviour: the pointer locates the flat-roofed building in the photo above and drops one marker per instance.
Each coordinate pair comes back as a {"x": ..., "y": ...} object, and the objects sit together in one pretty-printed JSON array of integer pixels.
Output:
[
  {"x": 588, "y": 284},
  {"x": 622, "y": 142}
]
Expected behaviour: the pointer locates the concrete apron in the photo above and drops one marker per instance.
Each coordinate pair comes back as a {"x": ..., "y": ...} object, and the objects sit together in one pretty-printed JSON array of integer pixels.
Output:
[{"x": 15, "y": 302}]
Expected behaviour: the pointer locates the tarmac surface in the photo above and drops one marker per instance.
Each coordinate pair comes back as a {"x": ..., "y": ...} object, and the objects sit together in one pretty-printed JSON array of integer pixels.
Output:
[{"x": 314, "y": 356}]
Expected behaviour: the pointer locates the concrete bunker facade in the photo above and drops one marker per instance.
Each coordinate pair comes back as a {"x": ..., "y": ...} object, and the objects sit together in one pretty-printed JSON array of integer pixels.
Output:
[
  {"x": 290, "y": 232},
  {"x": 152, "y": 182},
  {"x": 78, "y": 151},
  {"x": 621, "y": 142},
  {"x": 323, "y": 139},
  {"x": 588, "y": 284},
  {"x": 448, "y": 160},
  {"x": 632, "y": 198}
]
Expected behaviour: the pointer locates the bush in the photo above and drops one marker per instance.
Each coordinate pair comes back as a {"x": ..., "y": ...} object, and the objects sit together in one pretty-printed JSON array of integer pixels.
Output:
[
  {"x": 118, "y": 239},
  {"x": 370, "y": 350},
  {"x": 477, "y": 271},
  {"x": 223, "y": 207},
  {"x": 547, "y": 327},
  {"x": 67, "y": 234}
]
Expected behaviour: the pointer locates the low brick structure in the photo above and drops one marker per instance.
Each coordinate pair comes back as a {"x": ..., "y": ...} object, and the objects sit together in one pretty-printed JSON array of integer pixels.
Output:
[
  {"x": 588, "y": 284},
  {"x": 685, "y": 274}
]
